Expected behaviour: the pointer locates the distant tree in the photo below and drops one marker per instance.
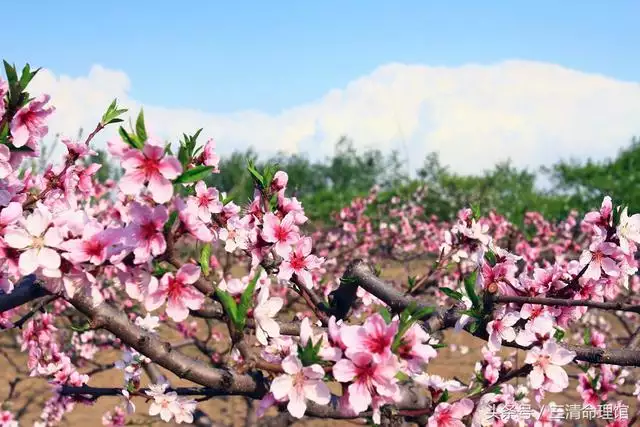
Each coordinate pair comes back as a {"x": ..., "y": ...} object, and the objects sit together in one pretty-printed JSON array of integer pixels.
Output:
[
  {"x": 505, "y": 188},
  {"x": 585, "y": 184}
]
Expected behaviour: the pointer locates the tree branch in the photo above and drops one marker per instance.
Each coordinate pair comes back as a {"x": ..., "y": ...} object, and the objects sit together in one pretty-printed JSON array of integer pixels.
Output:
[
  {"x": 562, "y": 302},
  {"x": 359, "y": 274},
  {"x": 23, "y": 292}
]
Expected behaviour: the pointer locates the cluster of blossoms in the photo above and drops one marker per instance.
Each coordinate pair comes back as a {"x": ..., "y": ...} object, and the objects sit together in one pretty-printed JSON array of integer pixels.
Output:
[{"x": 151, "y": 243}]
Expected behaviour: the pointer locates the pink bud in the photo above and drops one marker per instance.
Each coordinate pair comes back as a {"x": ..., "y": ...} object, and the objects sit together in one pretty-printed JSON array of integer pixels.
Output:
[{"x": 280, "y": 180}]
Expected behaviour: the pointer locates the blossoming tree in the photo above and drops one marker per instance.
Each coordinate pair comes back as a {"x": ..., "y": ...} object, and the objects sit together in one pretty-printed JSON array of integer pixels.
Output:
[{"x": 142, "y": 255}]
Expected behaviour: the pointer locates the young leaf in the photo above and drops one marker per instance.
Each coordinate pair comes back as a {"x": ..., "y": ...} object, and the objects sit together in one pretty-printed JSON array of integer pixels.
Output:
[
  {"x": 172, "y": 219},
  {"x": 475, "y": 209},
  {"x": 205, "y": 257},
  {"x": 246, "y": 299},
  {"x": 183, "y": 154},
  {"x": 12, "y": 75},
  {"x": 229, "y": 305},
  {"x": 27, "y": 76},
  {"x": 473, "y": 327},
  {"x": 377, "y": 270},
  {"x": 470, "y": 287},
  {"x": 490, "y": 256},
  {"x": 401, "y": 376},
  {"x": 129, "y": 139},
  {"x": 385, "y": 314},
  {"x": 422, "y": 313},
  {"x": 195, "y": 136},
  {"x": 195, "y": 174},
  {"x": 112, "y": 113},
  {"x": 411, "y": 281},
  {"x": 451, "y": 293},
  {"x": 309, "y": 353},
  {"x": 257, "y": 176},
  {"x": 141, "y": 131}
]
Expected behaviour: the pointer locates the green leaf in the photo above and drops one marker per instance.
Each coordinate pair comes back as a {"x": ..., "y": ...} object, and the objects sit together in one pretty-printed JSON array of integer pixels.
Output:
[
  {"x": 23, "y": 149},
  {"x": 408, "y": 317},
  {"x": 205, "y": 257},
  {"x": 257, "y": 176},
  {"x": 12, "y": 75},
  {"x": 444, "y": 397},
  {"x": 496, "y": 389},
  {"x": 195, "y": 136},
  {"x": 172, "y": 219},
  {"x": 439, "y": 345},
  {"x": 309, "y": 353},
  {"x": 112, "y": 113},
  {"x": 377, "y": 270},
  {"x": 229, "y": 305},
  {"x": 470, "y": 287},
  {"x": 477, "y": 389},
  {"x": 411, "y": 281},
  {"x": 246, "y": 299},
  {"x": 159, "y": 270},
  {"x": 473, "y": 327},
  {"x": 451, "y": 293},
  {"x": 183, "y": 154},
  {"x": 27, "y": 76},
  {"x": 385, "y": 314},
  {"x": 474, "y": 312},
  {"x": 195, "y": 174},
  {"x": 587, "y": 336},
  {"x": 141, "y": 131},
  {"x": 401, "y": 376},
  {"x": 82, "y": 328},
  {"x": 422, "y": 313},
  {"x": 129, "y": 139},
  {"x": 559, "y": 334},
  {"x": 475, "y": 209},
  {"x": 490, "y": 256}
]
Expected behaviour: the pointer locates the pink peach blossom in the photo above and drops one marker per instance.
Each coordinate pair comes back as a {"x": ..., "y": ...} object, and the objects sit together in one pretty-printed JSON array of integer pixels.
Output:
[
  {"x": 146, "y": 231},
  {"x": 451, "y": 414},
  {"x": 284, "y": 233},
  {"x": 299, "y": 384},
  {"x": 547, "y": 364},
  {"x": 300, "y": 261},
  {"x": 151, "y": 166},
  {"x": 178, "y": 292},
  {"x": 370, "y": 378},
  {"x": 38, "y": 240},
  {"x": 28, "y": 126}
]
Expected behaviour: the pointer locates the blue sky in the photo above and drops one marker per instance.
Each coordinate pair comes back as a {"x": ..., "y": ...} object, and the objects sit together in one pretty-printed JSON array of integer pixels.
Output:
[
  {"x": 476, "y": 81},
  {"x": 229, "y": 56}
]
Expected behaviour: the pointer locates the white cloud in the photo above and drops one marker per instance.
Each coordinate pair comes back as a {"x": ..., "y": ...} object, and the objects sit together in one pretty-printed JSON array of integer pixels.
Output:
[{"x": 474, "y": 115}]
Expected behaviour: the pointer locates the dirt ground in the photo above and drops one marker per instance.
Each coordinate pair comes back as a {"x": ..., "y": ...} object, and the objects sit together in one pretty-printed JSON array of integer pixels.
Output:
[{"x": 228, "y": 411}]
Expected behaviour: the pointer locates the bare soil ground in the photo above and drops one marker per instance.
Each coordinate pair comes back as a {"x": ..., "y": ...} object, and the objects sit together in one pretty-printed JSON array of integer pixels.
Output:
[{"x": 228, "y": 411}]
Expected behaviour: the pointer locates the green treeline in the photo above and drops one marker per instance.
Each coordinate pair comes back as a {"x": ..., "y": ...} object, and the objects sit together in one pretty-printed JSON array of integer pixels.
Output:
[{"x": 326, "y": 186}]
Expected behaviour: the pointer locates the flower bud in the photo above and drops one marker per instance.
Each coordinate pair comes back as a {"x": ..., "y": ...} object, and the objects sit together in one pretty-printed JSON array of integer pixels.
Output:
[{"x": 279, "y": 182}]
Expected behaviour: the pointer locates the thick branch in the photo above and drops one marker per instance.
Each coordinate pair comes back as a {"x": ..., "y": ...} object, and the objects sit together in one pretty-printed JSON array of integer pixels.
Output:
[
  {"x": 23, "y": 292},
  {"x": 115, "y": 321},
  {"x": 217, "y": 382},
  {"x": 115, "y": 391},
  {"x": 215, "y": 311},
  {"x": 562, "y": 302},
  {"x": 359, "y": 274}
]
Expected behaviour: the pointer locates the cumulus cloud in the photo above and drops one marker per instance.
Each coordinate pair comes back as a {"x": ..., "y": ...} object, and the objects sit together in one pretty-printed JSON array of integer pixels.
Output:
[{"x": 473, "y": 115}]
